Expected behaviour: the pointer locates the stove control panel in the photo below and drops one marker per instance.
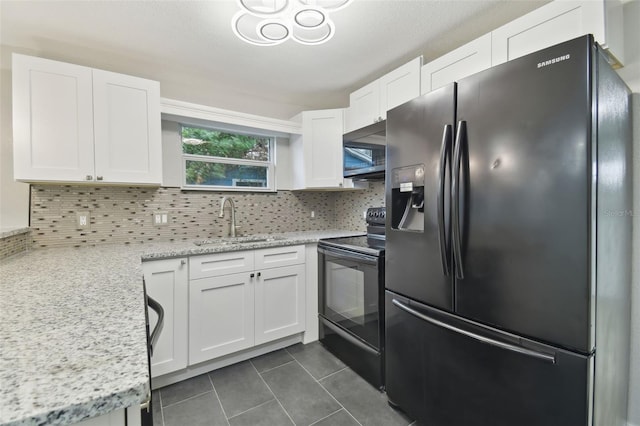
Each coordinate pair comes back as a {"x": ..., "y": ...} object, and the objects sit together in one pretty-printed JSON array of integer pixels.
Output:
[{"x": 376, "y": 216}]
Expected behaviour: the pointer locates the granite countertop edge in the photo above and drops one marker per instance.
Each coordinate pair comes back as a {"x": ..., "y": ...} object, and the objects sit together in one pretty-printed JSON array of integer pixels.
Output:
[
  {"x": 6, "y": 233},
  {"x": 116, "y": 267}
]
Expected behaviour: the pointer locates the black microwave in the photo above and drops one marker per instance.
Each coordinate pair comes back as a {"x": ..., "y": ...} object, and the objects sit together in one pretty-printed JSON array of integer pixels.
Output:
[{"x": 364, "y": 152}]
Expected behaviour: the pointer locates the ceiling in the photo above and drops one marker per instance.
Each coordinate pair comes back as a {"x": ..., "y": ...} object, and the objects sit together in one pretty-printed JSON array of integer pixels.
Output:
[{"x": 189, "y": 46}]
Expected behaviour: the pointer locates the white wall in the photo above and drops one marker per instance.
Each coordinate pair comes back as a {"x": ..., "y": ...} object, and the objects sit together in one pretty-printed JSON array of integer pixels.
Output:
[{"x": 14, "y": 196}]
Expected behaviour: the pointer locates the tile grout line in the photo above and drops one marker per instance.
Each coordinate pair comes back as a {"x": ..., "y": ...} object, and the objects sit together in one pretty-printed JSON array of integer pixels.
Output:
[
  {"x": 161, "y": 408},
  {"x": 188, "y": 399},
  {"x": 325, "y": 389},
  {"x": 273, "y": 393},
  {"x": 253, "y": 408},
  {"x": 326, "y": 417},
  {"x": 224, "y": 413},
  {"x": 331, "y": 374},
  {"x": 273, "y": 368}
]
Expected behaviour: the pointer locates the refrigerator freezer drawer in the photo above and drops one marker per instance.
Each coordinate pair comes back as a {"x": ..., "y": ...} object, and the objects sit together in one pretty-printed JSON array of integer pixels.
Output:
[{"x": 444, "y": 371}]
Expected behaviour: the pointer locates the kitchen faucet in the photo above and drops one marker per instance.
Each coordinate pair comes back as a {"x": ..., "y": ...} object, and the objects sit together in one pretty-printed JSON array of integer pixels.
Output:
[{"x": 232, "y": 229}]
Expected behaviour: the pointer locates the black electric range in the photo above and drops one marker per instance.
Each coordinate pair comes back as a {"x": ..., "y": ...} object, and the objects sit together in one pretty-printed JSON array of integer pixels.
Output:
[{"x": 350, "y": 298}]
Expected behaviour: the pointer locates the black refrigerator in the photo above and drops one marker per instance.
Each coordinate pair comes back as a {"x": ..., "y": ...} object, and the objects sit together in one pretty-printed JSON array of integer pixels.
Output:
[{"x": 508, "y": 245}]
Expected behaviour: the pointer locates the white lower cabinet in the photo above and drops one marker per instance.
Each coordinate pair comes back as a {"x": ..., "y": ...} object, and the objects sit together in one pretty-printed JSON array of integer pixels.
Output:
[
  {"x": 221, "y": 316},
  {"x": 167, "y": 282},
  {"x": 244, "y": 299},
  {"x": 279, "y": 303}
]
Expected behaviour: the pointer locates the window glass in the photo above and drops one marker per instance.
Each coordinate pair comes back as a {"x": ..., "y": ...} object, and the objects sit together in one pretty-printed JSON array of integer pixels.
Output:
[{"x": 221, "y": 160}]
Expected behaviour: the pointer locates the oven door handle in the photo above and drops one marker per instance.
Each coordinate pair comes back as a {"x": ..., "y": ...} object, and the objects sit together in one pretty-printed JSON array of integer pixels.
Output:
[
  {"x": 346, "y": 254},
  {"x": 348, "y": 337}
]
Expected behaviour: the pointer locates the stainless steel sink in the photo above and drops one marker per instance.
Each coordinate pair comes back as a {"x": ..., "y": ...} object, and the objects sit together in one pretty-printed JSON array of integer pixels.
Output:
[{"x": 239, "y": 240}]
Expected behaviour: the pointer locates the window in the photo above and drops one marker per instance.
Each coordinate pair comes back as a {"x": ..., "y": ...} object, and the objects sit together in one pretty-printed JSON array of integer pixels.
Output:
[{"x": 219, "y": 160}]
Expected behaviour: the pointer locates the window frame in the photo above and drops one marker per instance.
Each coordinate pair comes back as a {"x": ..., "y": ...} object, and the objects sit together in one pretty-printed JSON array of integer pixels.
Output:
[{"x": 269, "y": 164}]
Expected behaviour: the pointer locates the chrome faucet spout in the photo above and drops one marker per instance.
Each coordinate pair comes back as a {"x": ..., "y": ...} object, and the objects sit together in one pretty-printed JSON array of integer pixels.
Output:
[{"x": 232, "y": 228}]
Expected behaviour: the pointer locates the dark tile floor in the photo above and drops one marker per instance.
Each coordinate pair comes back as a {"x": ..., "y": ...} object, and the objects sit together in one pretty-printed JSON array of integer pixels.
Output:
[{"x": 300, "y": 385}]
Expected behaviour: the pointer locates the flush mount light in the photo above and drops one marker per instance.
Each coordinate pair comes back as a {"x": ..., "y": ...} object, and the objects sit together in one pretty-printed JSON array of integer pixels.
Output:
[{"x": 271, "y": 22}]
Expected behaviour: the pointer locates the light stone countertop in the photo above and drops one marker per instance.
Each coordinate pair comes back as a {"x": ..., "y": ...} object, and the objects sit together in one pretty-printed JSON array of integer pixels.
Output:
[
  {"x": 10, "y": 232},
  {"x": 72, "y": 327}
]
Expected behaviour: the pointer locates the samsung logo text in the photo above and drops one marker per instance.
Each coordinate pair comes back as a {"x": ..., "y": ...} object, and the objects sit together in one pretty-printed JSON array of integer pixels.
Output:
[{"x": 553, "y": 61}]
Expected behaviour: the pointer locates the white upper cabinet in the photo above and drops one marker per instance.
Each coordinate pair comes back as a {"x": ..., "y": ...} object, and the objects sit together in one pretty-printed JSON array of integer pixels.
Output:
[
  {"x": 465, "y": 60},
  {"x": 52, "y": 120},
  {"x": 557, "y": 22},
  {"x": 126, "y": 113},
  {"x": 370, "y": 103},
  {"x": 364, "y": 107},
  {"x": 76, "y": 124},
  {"x": 399, "y": 86},
  {"x": 317, "y": 154}
]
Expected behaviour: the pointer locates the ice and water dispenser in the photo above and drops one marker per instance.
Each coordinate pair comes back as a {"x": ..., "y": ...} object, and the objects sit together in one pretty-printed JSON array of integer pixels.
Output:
[{"x": 407, "y": 198}]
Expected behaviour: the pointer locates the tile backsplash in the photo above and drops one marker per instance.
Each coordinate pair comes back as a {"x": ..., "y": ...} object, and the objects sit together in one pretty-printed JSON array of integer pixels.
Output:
[
  {"x": 119, "y": 214},
  {"x": 350, "y": 206},
  {"x": 14, "y": 244}
]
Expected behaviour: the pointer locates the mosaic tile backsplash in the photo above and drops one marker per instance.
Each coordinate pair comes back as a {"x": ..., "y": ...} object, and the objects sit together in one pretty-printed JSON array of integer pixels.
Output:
[
  {"x": 14, "y": 244},
  {"x": 124, "y": 214}
]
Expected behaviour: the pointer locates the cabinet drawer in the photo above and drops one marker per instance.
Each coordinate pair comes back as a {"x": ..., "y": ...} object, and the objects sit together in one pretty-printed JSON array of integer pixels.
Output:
[
  {"x": 279, "y": 256},
  {"x": 212, "y": 265}
]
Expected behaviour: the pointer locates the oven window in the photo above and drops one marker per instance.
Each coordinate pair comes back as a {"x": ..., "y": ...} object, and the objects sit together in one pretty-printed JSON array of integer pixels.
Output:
[{"x": 351, "y": 296}]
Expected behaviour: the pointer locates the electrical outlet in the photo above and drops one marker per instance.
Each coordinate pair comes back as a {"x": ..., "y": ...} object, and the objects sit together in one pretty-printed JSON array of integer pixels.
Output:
[
  {"x": 160, "y": 218},
  {"x": 82, "y": 219}
]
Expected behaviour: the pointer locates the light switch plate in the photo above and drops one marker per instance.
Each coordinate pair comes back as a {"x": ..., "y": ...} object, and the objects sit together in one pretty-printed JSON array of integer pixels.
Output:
[
  {"x": 82, "y": 219},
  {"x": 160, "y": 218}
]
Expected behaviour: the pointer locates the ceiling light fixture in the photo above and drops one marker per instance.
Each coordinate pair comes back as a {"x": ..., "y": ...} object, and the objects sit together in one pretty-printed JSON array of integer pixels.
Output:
[{"x": 271, "y": 22}]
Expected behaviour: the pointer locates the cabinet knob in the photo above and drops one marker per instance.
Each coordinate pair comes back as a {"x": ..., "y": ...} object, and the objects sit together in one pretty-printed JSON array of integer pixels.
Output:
[
  {"x": 183, "y": 262},
  {"x": 99, "y": 178},
  {"x": 89, "y": 177},
  {"x": 259, "y": 273},
  {"x": 252, "y": 275},
  {"x": 340, "y": 184}
]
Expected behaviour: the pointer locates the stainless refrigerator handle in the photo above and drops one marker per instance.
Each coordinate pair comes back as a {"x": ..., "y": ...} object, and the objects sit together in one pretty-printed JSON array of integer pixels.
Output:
[
  {"x": 155, "y": 334},
  {"x": 508, "y": 346},
  {"x": 455, "y": 197},
  {"x": 348, "y": 337},
  {"x": 442, "y": 236}
]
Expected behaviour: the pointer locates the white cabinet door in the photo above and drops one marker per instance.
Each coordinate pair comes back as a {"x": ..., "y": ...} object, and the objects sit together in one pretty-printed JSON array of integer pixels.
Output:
[
  {"x": 557, "y": 22},
  {"x": 322, "y": 146},
  {"x": 221, "y": 317},
  {"x": 364, "y": 107},
  {"x": 399, "y": 86},
  {"x": 465, "y": 60},
  {"x": 279, "y": 303},
  {"x": 128, "y": 147},
  {"x": 52, "y": 121},
  {"x": 167, "y": 282}
]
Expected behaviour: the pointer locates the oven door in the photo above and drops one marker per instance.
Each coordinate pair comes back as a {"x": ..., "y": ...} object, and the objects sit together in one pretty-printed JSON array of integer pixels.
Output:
[{"x": 349, "y": 291}]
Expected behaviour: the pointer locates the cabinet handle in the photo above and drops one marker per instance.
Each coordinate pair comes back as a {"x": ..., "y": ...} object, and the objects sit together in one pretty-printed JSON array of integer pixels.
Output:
[
  {"x": 99, "y": 178},
  {"x": 183, "y": 262},
  {"x": 259, "y": 273},
  {"x": 89, "y": 177},
  {"x": 252, "y": 275}
]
